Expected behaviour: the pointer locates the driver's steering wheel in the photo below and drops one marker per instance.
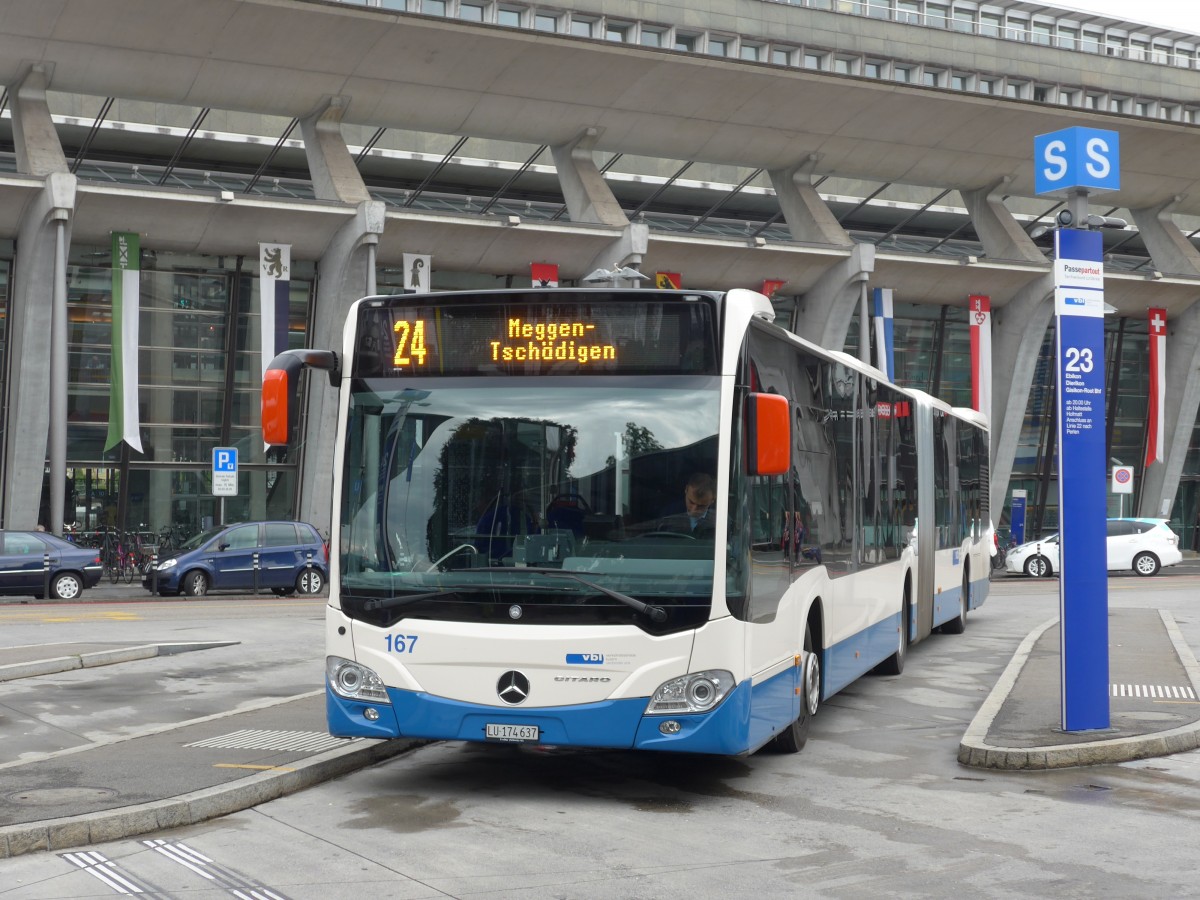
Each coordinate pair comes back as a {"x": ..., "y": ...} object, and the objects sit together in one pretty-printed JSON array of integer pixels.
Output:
[{"x": 575, "y": 500}]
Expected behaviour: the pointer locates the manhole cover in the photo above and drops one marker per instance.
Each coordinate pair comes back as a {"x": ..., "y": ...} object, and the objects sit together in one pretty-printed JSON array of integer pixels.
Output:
[{"x": 59, "y": 796}]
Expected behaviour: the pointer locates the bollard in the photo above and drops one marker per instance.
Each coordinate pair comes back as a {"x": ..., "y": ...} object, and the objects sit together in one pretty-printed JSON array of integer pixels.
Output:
[
  {"x": 154, "y": 572},
  {"x": 46, "y": 575},
  {"x": 308, "y": 571},
  {"x": 256, "y": 574}
]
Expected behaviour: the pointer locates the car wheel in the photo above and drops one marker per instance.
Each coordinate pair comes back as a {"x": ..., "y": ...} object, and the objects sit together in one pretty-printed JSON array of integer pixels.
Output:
[
  {"x": 310, "y": 581},
  {"x": 195, "y": 583},
  {"x": 793, "y": 738},
  {"x": 66, "y": 586},
  {"x": 1146, "y": 564},
  {"x": 1037, "y": 566}
]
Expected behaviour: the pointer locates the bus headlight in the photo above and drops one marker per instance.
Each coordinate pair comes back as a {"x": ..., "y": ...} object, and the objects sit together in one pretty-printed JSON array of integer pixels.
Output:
[
  {"x": 695, "y": 693},
  {"x": 354, "y": 682}
]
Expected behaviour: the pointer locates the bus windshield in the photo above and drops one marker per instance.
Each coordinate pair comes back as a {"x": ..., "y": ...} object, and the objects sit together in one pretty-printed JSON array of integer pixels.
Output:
[{"x": 540, "y": 500}]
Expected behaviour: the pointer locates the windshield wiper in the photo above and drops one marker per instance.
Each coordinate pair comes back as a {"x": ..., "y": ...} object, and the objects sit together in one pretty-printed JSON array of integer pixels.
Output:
[
  {"x": 656, "y": 613},
  {"x": 374, "y": 604}
]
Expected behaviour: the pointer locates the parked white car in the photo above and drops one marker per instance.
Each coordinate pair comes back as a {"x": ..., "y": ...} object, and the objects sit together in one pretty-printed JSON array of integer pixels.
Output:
[{"x": 1141, "y": 545}]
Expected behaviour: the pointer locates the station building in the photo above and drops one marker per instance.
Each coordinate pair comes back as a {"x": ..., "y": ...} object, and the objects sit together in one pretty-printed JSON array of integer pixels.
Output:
[{"x": 831, "y": 145}]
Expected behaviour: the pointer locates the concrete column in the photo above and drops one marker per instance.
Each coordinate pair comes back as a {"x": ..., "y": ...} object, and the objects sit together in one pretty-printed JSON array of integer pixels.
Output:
[
  {"x": 808, "y": 217},
  {"x": 334, "y": 175},
  {"x": 1017, "y": 333},
  {"x": 823, "y": 314},
  {"x": 1161, "y": 481},
  {"x": 627, "y": 250},
  {"x": 1002, "y": 237},
  {"x": 1169, "y": 249},
  {"x": 589, "y": 198},
  {"x": 343, "y": 279},
  {"x": 43, "y": 233}
]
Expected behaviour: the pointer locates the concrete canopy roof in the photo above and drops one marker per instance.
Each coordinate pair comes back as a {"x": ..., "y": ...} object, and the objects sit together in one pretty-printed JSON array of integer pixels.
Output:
[{"x": 406, "y": 71}]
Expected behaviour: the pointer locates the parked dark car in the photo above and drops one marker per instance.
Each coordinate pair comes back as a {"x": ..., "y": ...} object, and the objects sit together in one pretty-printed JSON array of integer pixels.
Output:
[
  {"x": 23, "y": 561},
  {"x": 283, "y": 557}
]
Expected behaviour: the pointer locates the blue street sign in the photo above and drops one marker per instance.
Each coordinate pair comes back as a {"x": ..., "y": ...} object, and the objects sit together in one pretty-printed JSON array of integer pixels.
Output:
[
  {"x": 1082, "y": 479},
  {"x": 224, "y": 471},
  {"x": 1016, "y": 517},
  {"x": 1077, "y": 158}
]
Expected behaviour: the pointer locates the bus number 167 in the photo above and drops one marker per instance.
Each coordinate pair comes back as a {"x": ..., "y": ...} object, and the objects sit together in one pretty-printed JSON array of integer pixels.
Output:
[{"x": 401, "y": 643}]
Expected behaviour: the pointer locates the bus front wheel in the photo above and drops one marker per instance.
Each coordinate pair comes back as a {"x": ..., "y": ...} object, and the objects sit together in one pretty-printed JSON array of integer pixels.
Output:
[{"x": 793, "y": 738}]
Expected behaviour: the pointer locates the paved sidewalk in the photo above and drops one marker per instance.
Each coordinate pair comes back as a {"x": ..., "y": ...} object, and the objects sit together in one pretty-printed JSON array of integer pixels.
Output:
[{"x": 1154, "y": 701}]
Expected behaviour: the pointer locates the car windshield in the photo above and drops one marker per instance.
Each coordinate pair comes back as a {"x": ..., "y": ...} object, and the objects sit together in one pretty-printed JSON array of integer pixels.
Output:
[
  {"x": 199, "y": 540},
  {"x": 492, "y": 492}
]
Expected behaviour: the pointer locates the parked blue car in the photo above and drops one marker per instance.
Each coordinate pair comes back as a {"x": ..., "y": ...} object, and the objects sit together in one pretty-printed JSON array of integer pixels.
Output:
[
  {"x": 23, "y": 565},
  {"x": 283, "y": 557}
]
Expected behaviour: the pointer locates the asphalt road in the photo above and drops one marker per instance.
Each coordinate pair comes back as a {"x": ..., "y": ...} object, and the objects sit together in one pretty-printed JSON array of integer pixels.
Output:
[{"x": 876, "y": 805}]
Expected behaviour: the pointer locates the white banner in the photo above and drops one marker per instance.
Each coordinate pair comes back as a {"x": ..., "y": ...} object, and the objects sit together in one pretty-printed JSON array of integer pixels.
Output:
[
  {"x": 274, "y": 295},
  {"x": 416, "y": 272}
]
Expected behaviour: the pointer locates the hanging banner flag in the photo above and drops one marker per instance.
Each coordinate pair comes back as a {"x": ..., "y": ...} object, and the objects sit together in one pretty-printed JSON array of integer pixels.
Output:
[
  {"x": 980, "y": 311},
  {"x": 667, "y": 281},
  {"x": 123, "y": 420},
  {"x": 1156, "y": 421},
  {"x": 885, "y": 355},
  {"x": 769, "y": 287},
  {"x": 544, "y": 275},
  {"x": 274, "y": 294},
  {"x": 416, "y": 273}
]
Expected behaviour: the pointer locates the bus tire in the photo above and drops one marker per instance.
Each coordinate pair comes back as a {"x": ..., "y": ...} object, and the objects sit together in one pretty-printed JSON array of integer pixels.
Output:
[
  {"x": 894, "y": 664},
  {"x": 959, "y": 624},
  {"x": 793, "y": 738}
]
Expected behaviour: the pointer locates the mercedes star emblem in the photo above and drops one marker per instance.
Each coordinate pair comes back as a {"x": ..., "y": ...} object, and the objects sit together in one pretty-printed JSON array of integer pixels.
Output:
[{"x": 513, "y": 688}]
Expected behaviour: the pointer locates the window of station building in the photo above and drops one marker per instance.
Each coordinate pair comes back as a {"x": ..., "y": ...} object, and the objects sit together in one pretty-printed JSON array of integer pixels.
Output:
[
  {"x": 879, "y": 9},
  {"x": 1017, "y": 28},
  {"x": 1118, "y": 104},
  {"x": 1115, "y": 45},
  {"x": 617, "y": 31},
  {"x": 814, "y": 60},
  {"x": 964, "y": 20},
  {"x": 932, "y": 78},
  {"x": 908, "y": 12},
  {"x": 545, "y": 22},
  {"x": 686, "y": 42},
  {"x": 1041, "y": 33},
  {"x": 433, "y": 7},
  {"x": 471, "y": 12},
  {"x": 652, "y": 37},
  {"x": 1091, "y": 41},
  {"x": 990, "y": 24},
  {"x": 1143, "y": 108},
  {"x": 873, "y": 69},
  {"x": 1166, "y": 111},
  {"x": 1139, "y": 50},
  {"x": 1015, "y": 89},
  {"x": 509, "y": 17},
  {"x": 1161, "y": 54},
  {"x": 986, "y": 85},
  {"x": 719, "y": 46},
  {"x": 1182, "y": 57},
  {"x": 783, "y": 56},
  {"x": 1093, "y": 101},
  {"x": 752, "y": 52},
  {"x": 1068, "y": 98},
  {"x": 845, "y": 65},
  {"x": 960, "y": 82},
  {"x": 902, "y": 73},
  {"x": 1042, "y": 93},
  {"x": 937, "y": 15},
  {"x": 1068, "y": 38},
  {"x": 582, "y": 27}
]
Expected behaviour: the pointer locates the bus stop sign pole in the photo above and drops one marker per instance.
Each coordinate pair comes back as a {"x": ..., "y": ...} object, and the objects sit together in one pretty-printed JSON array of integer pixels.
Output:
[{"x": 1074, "y": 160}]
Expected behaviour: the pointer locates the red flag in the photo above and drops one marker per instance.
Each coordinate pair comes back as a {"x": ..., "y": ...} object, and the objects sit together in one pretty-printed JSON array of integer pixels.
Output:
[
  {"x": 544, "y": 275},
  {"x": 980, "y": 308},
  {"x": 769, "y": 287},
  {"x": 1156, "y": 421},
  {"x": 667, "y": 281}
]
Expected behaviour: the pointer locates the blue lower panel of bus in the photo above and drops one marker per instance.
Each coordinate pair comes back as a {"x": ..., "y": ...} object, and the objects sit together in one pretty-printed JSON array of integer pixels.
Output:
[
  {"x": 729, "y": 729},
  {"x": 945, "y": 605},
  {"x": 846, "y": 660}
]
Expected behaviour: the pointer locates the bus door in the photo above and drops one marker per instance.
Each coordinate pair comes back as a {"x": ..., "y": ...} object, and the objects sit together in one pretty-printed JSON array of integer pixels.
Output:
[{"x": 927, "y": 526}]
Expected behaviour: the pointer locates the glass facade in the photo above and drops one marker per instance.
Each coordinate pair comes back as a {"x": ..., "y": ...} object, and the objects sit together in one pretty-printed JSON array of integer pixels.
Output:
[{"x": 199, "y": 380}]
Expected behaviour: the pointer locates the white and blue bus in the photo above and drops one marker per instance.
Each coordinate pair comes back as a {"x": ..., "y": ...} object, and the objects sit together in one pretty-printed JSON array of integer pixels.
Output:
[{"x": 513, "y": 556}]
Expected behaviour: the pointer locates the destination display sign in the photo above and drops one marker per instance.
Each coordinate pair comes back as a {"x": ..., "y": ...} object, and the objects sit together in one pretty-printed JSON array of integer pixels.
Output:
[{"x": 566, "y": 335}]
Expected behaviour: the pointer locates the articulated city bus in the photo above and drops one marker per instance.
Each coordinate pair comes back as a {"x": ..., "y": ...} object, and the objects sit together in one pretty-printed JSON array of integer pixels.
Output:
[{"x": 626, "y": 518}]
